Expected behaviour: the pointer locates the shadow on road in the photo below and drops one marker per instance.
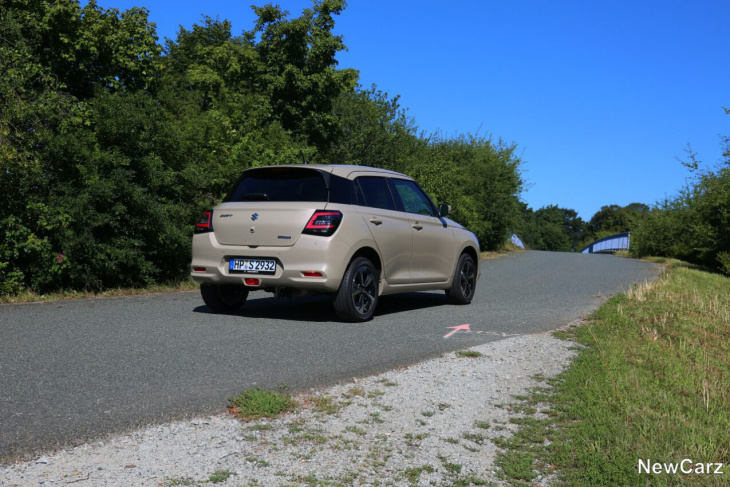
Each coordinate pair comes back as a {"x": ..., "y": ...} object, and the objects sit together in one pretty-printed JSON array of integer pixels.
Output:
[{"x": 319, "y": 308}]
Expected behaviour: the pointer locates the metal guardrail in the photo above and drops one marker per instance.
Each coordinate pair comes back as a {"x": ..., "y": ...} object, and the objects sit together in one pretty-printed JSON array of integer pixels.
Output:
[{"x": 609, "y": 245}]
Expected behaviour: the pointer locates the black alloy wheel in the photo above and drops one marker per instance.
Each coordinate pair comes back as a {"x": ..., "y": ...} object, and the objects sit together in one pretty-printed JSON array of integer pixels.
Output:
[
  {"x": 465, "y": 281},
  {"x": 358, "y": 294}
]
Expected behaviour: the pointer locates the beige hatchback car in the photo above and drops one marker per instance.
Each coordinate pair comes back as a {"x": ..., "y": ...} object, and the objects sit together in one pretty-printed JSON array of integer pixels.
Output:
[{"x": 354, "y": 231}]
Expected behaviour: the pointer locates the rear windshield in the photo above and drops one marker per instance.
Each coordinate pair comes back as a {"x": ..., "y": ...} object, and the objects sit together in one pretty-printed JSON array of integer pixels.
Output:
[{"x": 280, "y": 184}]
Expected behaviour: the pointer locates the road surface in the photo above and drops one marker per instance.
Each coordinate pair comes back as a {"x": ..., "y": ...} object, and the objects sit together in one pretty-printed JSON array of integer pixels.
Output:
[{"x": 72, "y": 371}]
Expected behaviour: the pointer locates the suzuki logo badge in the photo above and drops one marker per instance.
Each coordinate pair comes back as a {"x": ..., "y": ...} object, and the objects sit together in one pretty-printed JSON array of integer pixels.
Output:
[{"x": 255, "y": 216}]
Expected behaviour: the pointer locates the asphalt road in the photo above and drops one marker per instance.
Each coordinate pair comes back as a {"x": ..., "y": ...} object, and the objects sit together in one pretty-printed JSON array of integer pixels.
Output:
[{"x": 71, "y": 371}]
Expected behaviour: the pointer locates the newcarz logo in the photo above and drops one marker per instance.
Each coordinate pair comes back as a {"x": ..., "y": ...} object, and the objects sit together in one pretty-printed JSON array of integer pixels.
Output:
[{"x": 685, "y": 466}]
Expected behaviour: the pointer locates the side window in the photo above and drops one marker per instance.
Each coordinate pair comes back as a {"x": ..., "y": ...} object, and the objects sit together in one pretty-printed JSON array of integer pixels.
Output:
[
  {"x": 342, "y": 191},
  {"x": 376, "y": 193},
  {"x": 413, "y": 198}
]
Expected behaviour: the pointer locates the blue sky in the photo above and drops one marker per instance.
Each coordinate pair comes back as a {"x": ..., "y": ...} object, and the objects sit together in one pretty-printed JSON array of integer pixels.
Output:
[{"x": 600, "y": 97}]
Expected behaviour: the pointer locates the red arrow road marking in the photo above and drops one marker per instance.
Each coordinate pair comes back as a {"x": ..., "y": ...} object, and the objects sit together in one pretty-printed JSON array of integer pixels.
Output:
[{"x": 457, "y": 328}]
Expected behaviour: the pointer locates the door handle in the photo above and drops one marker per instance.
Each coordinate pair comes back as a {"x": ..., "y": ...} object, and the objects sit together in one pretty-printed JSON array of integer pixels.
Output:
[
  {"x": 375, "y": 221},
  {"x": 417, "y": 226}
]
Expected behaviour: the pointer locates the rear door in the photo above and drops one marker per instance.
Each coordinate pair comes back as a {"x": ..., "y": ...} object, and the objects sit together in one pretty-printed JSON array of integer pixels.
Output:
[
  {"x": 391, "y": 229},
  {"x": 433, "y": 241}
]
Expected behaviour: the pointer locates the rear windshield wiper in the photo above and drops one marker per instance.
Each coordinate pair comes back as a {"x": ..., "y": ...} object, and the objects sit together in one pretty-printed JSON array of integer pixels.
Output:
[{"x": 256, "y": 197}]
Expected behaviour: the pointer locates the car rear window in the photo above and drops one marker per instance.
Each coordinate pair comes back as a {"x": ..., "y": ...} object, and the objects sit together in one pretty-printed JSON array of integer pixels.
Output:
[
  {"x": 280, "y": 184},
  {"x": 375, "y": 193}
]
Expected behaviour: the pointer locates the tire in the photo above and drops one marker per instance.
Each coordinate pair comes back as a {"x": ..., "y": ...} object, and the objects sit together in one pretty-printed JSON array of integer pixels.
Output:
[
  {"x": 464, "y": 282},
  {"x": 224, "y": 298},
  {"x": 358, "y": 294}
]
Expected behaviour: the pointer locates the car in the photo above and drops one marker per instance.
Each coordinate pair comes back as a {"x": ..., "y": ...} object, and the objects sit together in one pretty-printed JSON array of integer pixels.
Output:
[{"x": 356, "y": 232}]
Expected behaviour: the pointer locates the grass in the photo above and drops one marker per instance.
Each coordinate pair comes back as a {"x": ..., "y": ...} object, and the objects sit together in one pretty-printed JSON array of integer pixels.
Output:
[
  {"x": 355, "y": 391},
  {"x": 325, "y": 404},
  {"x": 500, "y": 253},
  {"x": 475, "y": 438},
  {"x": 257, "y": 403},
  {"x": 32, "y": 297},
  {"x": 651, "y": 381},
  {"x": 220, "y": 476},
  {"x": 174, "y": 482},
  {"x": 257, "y": 461},
  {"x": 414, "y": 474},
  {"x": 414, "y": 439},
  {"x": 468, "y": 353},
  {"x": 355, "y": 429}
]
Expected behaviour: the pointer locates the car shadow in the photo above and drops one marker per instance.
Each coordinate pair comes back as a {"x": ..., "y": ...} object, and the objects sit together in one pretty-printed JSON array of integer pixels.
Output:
[{"x": 319, "y": 308}]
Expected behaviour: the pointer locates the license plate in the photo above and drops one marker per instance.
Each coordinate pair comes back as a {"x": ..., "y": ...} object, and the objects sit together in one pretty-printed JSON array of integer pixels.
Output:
[{"x": 252, "y": 266}]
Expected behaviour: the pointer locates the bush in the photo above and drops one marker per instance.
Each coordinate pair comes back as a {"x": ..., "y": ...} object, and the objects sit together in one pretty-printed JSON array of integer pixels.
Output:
[{"x": 693, "y": 226}]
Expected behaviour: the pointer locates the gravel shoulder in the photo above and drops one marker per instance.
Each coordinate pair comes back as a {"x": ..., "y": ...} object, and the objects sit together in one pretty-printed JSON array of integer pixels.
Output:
[{"x": 428, "y": 424}]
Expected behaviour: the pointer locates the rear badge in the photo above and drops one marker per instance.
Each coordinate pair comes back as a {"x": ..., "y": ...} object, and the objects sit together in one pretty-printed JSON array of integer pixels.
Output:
[
  {"x": 284, "y": 237},
  {"x": 255, "y": 216},
  {"x": 226, "y": 215}
]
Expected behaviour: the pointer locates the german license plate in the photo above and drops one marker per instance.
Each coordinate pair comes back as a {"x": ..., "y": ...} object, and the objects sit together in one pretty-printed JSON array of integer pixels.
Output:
[{"x": 252, "y": 266}]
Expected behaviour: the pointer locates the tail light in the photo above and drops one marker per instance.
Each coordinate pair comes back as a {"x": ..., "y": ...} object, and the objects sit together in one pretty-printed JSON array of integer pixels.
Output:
[
  {"x": 205, "y": 224},
  {"x": 323, "y": 223}
]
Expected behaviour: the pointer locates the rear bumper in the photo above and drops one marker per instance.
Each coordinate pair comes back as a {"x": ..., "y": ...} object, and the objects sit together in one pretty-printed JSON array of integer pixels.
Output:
[{"x": 310, "y": 253}]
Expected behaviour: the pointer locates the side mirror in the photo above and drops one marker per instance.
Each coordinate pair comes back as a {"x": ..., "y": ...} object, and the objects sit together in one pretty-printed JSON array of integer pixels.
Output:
[{"x": 444, "y": 209}]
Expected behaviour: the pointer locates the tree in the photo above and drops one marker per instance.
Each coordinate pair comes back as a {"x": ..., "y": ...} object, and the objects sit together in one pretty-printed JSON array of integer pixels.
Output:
[
  {"x": 479, "y": 178},
  {"x": 694, "y": 225},
  {"x": 375, "y": 130},
  {"x": 615, "y": 219},
  {"x": 111, "y": 147},
  {"x": 298, "y": 58},
  {"x": 552, "y": 228}
]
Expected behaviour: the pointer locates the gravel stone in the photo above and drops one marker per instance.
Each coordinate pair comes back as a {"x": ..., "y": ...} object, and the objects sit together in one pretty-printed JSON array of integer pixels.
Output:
[{"x": 403, "y": 427}]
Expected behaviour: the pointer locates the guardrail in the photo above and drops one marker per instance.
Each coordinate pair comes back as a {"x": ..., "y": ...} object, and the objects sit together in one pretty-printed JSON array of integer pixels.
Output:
[{"x": 609, "y": 245}]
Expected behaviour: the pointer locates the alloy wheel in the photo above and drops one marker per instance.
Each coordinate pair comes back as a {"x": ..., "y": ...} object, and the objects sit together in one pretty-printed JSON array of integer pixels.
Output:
[
  {"x": 467, "y": 278},
  {"x": 363, "y": 289}
]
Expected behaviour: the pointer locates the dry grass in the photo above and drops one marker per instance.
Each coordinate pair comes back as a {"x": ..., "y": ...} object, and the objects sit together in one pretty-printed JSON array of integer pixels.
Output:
[
  {"x": 32, "y": 297},
  {"x": 653, "y": 381}
]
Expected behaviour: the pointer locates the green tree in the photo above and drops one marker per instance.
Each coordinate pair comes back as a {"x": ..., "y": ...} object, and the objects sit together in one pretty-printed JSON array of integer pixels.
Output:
[
  {"x": 299, "y": 69},
  {"x": 61, "y": 62},
  {"x": 481, "y": 179},
  {"x": 88, "y": 47},
  {"x": 32, "y": 109},
  {"x": 555, "y": 229},
  {"x": 375, "y": 131},
  {"x": 110, "y": 146},
  {"x": 615, "y": 219},
  {"x": 694, "y": 225}
]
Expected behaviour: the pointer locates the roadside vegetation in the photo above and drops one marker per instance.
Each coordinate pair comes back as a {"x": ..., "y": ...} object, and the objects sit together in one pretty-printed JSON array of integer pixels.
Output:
[
  {"x": 255, "y": 403},
  {"x": 113, "y": 143},
  {"x": 29, "y": 296},
  {"x": 651, "y": 382}
]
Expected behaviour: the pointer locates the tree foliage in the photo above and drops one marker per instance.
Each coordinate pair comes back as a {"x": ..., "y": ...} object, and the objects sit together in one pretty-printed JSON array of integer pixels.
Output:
[
  {"x": 481, "y": 179},
  {"x": 695, "y": 224},
  {"x": 111, "y": 144},
  {"x": 616, "y": 219},
  {"x": 552, "y": 228}
]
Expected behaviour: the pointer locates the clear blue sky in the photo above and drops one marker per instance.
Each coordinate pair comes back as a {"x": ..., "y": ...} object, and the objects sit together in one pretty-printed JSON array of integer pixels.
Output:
[{"x": 600, "y": 97}]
